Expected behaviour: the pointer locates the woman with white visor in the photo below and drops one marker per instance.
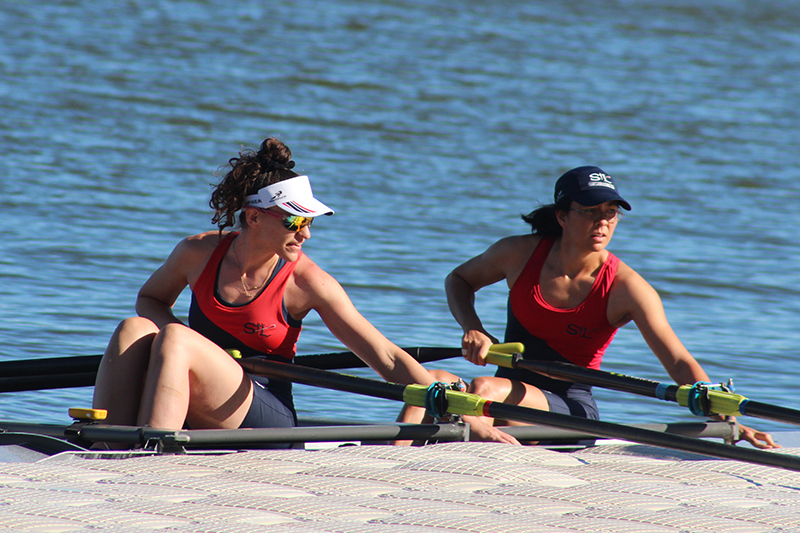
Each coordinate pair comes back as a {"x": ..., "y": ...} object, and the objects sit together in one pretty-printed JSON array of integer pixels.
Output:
[{"x": 251, "y": 290}]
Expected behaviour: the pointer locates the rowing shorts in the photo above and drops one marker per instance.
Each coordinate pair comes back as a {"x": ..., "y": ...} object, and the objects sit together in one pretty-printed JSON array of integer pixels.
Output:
[
  {"x": 575, "y": 402},
  {"x": 267, "y": 411}
]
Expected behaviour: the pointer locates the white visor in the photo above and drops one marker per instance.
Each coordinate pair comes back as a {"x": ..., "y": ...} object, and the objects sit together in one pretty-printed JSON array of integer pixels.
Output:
[{"x": 293, "y": 196}]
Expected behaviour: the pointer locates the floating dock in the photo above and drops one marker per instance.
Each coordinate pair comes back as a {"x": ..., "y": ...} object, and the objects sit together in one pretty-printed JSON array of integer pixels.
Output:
[{"x": 447, "y": 487}]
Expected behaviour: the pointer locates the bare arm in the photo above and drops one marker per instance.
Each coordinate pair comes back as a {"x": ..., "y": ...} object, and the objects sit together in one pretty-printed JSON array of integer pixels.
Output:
[
  {"x": 503, "y": 260},
  {"x": 161, "y": 290},
  {"x": 636, "y": 299},
  {"x": 326, "y": 296}
]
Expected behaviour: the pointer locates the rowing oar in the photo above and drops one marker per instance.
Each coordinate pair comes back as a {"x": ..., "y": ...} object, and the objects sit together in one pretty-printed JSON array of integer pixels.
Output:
[
  {"x": 470, "y": 404},
  {"x": 81, "y": 371},
  {"x": 701, "y": 398}
]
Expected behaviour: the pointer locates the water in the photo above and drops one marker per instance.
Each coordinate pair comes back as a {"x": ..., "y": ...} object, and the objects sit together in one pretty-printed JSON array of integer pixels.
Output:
[{"x": 429, "y": 127}]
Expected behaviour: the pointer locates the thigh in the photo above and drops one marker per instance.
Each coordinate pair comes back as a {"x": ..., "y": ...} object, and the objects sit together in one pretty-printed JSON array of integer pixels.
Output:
[
  {"x": 508, "y": 391},
  {"x": 220, "y": 392}
]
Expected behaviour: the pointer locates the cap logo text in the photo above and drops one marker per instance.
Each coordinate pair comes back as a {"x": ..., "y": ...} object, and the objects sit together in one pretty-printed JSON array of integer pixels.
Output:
[{"x": 598, "y": 179}]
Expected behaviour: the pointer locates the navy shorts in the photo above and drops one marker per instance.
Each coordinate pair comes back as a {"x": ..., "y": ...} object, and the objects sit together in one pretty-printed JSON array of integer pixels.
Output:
[
  {"x": 575, "y": 402},
  {"x": 267, "y": 411}
]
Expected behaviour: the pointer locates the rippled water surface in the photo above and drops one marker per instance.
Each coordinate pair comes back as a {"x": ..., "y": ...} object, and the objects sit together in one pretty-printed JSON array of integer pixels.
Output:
[{"x": 429, "y": 126}]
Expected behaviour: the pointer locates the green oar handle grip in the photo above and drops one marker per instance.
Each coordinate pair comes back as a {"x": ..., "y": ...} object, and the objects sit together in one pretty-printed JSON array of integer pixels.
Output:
[
  {"x": 503, "y": 354},
  {"x": 508, "y": 348},
  {"x": 500, "y": 359},
  {"x": 459, "y": 403},
  {"x": 720, "y": 402}
]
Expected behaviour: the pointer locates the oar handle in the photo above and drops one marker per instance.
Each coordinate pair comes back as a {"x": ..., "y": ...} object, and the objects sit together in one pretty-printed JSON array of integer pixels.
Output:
[
  {"x": 508, "y": 348},
  {"x": 719, "y": 402},
  {"x": 503, "y": 354},
  {"x": 459, "y": 403}
]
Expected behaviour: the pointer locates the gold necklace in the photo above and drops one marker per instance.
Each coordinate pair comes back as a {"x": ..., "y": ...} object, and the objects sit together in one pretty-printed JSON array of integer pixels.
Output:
[{"x": 244, "y": 285}]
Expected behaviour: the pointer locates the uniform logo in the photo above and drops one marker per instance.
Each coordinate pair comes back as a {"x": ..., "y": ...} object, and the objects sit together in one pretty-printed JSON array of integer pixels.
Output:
[
  {"x": 277, "y": 196},
  {"x": 580, "y": 331},
  {"x": 252, "y": 328}
]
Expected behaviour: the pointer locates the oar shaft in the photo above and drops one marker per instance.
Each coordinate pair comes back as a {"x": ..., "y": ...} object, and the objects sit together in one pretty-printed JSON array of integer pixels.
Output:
[
  {"x": 641, "y": 436},
  {"x": 589, "y": 376},
  {"x": 770, "y": 412},
  {"x": 26, "y": 383},
  {"x": 323, "y": 378},
  {"x": 720, "y": 402},
  {"x": 394, "y": 391},
  {"x": 50, "y": 366},
  {"x": 81, "y": 371}
]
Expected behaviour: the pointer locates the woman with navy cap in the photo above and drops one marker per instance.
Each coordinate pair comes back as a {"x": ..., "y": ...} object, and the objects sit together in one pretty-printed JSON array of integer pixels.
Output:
[
  {"x": 568, "y": 296},
  {"x": 251, "y": 290}
]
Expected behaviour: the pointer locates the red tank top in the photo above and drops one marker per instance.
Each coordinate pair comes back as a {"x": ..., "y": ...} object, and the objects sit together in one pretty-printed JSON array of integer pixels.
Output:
[
  {"x": 580, "y": 334},
  {"x": 257, "y": 327}
]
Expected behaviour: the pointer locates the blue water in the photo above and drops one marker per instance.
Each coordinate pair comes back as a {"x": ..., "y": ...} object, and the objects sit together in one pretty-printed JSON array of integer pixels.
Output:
[{"x": 429, "y": 126}]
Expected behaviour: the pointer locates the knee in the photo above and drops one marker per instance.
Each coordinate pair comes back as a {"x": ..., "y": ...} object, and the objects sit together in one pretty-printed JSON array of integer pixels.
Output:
[
  {"x": 486, "y": 387},
  {"x": 132, "y": 329},
  {"x": 168, "y": 338}
]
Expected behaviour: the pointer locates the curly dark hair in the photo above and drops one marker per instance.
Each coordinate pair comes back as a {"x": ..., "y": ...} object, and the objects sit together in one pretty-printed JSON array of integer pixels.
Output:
[
  {"x": 249, "y": 172},
  {"x": 543, "y": 220}
]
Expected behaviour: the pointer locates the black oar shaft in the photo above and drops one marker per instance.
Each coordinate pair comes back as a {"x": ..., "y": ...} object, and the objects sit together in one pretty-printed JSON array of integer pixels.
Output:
[
  {"x": 50, "y": 366},
  {"x": 331, "y": 361},
  {"x": 81, "y": 371},
  {"x": 642, "y": 436},
  {"x": 323, "y": 378},
  {"x": 771, "y": 412},
  {"x": 599, "y": 378},
  {"x": 26, "y": 383},
  {"x": 645, "y": 387},
  {"x": 394, "y": 391}
]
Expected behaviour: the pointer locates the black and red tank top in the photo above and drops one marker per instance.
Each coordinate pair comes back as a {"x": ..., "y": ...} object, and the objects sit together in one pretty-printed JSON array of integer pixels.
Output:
[
  {"x": 579, "y": 334},
  {"x": 261, "y": 326}
]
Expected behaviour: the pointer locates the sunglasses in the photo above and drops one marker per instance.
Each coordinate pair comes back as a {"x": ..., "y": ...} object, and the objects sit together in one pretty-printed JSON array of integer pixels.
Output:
[{"x": 291, "y": 222}]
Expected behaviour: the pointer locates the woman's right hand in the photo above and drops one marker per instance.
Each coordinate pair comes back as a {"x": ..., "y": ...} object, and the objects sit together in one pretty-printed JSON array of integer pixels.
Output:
[
  {"x": 475, "y": 345},
  {"x": 481, "y": 430}
]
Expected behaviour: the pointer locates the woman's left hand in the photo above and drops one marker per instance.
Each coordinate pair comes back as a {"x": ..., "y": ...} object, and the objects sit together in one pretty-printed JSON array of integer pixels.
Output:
[{"x": 759, "y": 439}]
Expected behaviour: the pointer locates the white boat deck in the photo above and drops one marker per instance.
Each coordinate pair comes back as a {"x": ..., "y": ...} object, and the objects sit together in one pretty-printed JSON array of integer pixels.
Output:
[{"x": 465, "y": 487}]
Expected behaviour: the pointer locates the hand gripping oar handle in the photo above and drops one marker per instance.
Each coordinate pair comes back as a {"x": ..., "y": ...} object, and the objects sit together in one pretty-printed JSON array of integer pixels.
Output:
[
  {"x": 470, "y": 404},
  {"x": 718, "y": 401}
]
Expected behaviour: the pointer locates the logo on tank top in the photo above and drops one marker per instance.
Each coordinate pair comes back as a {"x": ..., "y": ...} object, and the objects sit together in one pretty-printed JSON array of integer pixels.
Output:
[
  {"x": 259, "y": 329},
  {"x": 581, "y": 331}
]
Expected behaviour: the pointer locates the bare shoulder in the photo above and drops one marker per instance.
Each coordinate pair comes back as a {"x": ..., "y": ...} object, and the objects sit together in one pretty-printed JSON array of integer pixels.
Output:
[
  {"x": 310, "y": 277},
  {"x": 504, "y": 259},
  {"x": 630, "y": 285},
  {"x": 311, "y": 287},
  {"x": 192, "y": 253},
  {"x": 203, "y": 241},
  {"x": 511, "y": 250},
  {"x": 198, "y": 246}
]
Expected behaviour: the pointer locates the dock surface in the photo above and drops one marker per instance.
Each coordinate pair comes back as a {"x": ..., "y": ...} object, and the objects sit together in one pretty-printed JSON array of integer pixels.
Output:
[{"x": 449, "y": 487}]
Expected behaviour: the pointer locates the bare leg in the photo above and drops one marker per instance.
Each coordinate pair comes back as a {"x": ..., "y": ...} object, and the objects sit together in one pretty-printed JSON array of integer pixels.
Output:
[
  {"x": 191, "y": 378},
  {"x": 508, "y": 391},
  {"x": 491, "y": 388},
  {"x": 121, "y": 375}
]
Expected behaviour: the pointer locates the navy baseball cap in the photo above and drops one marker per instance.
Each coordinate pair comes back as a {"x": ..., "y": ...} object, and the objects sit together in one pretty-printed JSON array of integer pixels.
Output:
[{"x": 588, "y": 186}]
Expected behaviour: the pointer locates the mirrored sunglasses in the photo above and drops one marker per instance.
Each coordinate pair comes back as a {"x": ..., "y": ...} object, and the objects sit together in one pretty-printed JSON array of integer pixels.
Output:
[{"x": 291, "y": 222}]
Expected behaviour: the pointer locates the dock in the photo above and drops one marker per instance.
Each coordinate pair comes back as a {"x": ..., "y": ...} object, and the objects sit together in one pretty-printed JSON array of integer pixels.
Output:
[{"x": 447, "y": 487}]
